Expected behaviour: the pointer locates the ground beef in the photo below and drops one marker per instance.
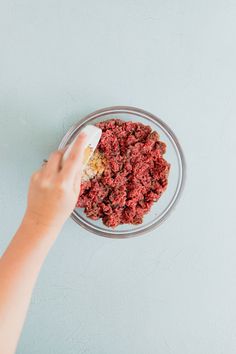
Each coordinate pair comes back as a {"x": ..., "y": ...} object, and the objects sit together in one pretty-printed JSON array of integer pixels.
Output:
[{"x": 135, "y": 175}]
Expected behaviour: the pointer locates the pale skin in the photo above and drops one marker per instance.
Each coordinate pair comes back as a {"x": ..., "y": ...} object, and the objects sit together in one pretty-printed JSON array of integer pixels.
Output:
[{"x": 52, "y": 196}]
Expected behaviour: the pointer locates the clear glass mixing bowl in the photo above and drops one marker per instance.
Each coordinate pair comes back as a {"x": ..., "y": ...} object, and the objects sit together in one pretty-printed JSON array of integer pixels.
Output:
[{"x": 174, "y": 155}]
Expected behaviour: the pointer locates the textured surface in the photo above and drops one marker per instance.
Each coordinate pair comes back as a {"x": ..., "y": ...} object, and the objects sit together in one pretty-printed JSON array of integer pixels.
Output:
[{"x": 170, "y": 292}]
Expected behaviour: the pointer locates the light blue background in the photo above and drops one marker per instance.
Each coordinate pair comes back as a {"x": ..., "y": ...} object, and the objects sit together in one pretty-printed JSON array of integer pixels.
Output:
[{"x": 174, "y": 290}]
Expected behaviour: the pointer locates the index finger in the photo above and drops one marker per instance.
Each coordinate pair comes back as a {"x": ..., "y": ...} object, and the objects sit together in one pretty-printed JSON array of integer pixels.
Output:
[{"x": 72, "y": 164}]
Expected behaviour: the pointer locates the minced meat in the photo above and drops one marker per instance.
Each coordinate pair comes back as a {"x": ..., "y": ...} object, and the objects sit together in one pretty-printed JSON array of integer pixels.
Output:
[{"x": 135, "y": 174}]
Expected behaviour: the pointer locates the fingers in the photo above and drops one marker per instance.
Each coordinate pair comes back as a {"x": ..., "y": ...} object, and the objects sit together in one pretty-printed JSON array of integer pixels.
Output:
[
  {"x": 54, "y": 161},
  {"x": 35, "y": 176},
  {"x": 72, "y": 165}
]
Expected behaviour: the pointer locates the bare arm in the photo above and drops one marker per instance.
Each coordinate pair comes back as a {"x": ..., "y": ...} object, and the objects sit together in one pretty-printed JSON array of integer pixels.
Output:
[{"x": 51, "y": 199}]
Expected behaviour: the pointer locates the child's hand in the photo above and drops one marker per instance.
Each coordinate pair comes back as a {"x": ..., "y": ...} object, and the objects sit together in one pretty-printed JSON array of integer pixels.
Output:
[{"x": 54, "y": 190}]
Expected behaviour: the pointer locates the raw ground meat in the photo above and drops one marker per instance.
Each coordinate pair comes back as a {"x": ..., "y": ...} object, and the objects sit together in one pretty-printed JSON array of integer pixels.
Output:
[{"x": 135, "y": 176}]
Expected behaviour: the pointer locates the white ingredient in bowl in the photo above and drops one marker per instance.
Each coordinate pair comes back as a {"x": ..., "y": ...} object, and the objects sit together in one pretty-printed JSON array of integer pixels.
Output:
[{"x": 94, "y": 167}]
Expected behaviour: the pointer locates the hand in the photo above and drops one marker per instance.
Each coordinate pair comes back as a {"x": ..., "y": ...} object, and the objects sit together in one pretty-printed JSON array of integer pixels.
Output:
[{"x": 54, "y": 189}]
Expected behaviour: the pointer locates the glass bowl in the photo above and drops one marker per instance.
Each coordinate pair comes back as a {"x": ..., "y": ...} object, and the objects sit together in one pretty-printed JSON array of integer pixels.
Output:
[{"x": 174, "y": 155}]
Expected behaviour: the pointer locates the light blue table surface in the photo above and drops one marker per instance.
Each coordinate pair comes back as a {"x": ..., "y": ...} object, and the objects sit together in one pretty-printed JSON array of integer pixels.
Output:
[{"x": 174, "y": 290}]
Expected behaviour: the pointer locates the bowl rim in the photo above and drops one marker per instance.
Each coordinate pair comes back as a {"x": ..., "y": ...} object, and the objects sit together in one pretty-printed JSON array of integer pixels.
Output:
[{"x": 181, "y": 160}]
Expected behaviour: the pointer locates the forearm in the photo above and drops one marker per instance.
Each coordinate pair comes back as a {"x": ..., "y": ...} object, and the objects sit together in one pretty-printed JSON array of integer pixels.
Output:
[{"x": 19, "y": 268}]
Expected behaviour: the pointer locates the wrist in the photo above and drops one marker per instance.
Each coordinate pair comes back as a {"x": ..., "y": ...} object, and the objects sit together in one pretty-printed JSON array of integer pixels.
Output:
[{"x": 36, "y": 223}]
